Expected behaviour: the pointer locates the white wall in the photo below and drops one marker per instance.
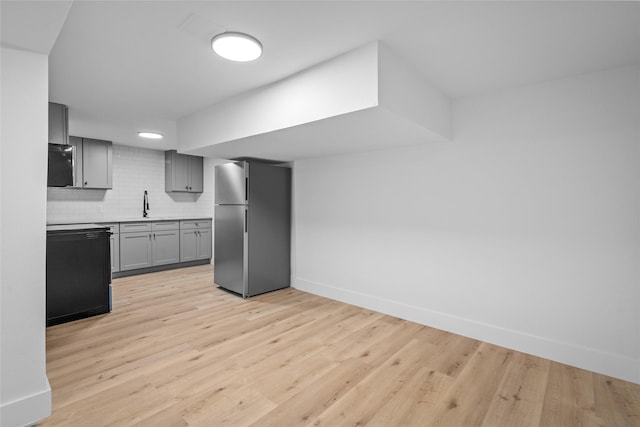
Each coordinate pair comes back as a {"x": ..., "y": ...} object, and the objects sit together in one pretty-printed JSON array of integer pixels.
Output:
[
  {"x": 341, "y": 85},
  {"x": 348, "y": 103},
  {"x": 403, "y": 90},
  {"x": 25, "y": 396},
  {"x": 134, "y": 170},
  {"x": 524, "y": 231}
]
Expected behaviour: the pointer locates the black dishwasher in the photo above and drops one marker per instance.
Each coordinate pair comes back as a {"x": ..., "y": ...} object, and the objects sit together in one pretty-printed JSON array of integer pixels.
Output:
[{"x": 78, "y": 272}]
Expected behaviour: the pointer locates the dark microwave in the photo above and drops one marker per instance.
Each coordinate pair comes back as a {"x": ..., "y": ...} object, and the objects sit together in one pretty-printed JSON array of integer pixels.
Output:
[{"x": 60, "y": 168}]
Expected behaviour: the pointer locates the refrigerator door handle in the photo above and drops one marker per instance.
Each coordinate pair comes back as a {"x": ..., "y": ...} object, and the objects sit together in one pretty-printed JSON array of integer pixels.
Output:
[
  {"x": 245, "y": 221},
  {"x": 246, "y": 189}
]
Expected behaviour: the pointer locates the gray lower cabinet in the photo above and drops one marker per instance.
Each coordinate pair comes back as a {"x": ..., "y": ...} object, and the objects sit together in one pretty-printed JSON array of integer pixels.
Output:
[
  {"x": 144, "y": 244},
  {"x": 135, "y": 250},
  {"x": 188, "y": 245},
  {"x": 114, "y": 228},
  {"x": 149, "y": 244},
  {"x": 115, "y": 253},
  {"x": 204, "y": 243},
  {"x": 165, "y": 242},
  {"x": 195, "y": 240}
]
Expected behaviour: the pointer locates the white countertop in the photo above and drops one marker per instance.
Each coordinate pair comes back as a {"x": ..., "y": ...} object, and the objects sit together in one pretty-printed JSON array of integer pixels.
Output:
[
  {"x": 73, "y": 227},
  {"x": 128, "y": 219}
]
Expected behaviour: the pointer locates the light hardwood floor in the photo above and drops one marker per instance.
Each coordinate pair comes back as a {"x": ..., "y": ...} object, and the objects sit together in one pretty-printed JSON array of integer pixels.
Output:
[{"x": 177, "y": 351}]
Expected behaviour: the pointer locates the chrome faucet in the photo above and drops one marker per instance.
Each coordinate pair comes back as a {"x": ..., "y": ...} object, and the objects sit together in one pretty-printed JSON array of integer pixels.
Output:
[{"x": 145, "y": 205}]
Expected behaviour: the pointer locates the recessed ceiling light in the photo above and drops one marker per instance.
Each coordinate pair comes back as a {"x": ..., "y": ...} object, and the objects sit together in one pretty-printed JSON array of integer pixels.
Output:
[
  {"x": 236, "y": 46},
  {"x": 150, "y": 135}
]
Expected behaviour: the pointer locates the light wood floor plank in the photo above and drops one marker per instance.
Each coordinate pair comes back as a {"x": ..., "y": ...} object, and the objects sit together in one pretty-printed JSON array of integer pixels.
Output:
[
  {"x": 382, "y": 384},
  {"x": 519, "y": 398},
  {"x": 413, "y": 404},
  {"x": 467, "y": 401},
  {"x": 569, "y": 398},
  {"x": 611, "y": 394},
  {"x": 179, "y": 352}
]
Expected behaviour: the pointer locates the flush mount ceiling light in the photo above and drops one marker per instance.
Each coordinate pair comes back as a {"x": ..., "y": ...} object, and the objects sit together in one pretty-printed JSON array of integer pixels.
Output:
[
  {"x": 236, "y": 46},
  {"x": 150, "y": 135}
]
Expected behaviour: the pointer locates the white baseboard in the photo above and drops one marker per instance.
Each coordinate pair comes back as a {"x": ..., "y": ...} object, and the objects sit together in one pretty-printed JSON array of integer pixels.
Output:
[
  {"x": 26, "y": 411},
  {"x": 610, "y": 364}
]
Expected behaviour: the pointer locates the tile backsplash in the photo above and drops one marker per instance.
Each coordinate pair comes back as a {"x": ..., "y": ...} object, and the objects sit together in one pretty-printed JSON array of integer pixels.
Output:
[{"x": 134, "y": 171}]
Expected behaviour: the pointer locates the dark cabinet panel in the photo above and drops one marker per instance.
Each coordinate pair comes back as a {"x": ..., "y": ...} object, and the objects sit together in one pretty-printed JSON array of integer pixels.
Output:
[
  {"x": 78, "y": 274},
  {"x": 58, "y": 124}
]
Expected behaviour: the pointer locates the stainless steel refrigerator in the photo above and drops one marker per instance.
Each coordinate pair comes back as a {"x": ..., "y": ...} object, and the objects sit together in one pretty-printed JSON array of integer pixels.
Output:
[{"x": 252, "y": 223}]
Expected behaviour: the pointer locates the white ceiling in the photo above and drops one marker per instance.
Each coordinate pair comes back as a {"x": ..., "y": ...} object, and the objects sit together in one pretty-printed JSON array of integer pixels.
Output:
[{"x": 124, "y": 66}]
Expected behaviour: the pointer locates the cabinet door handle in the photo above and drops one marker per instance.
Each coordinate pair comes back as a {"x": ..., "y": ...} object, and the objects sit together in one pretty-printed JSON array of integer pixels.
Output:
[{"x": 85, "y": 183}]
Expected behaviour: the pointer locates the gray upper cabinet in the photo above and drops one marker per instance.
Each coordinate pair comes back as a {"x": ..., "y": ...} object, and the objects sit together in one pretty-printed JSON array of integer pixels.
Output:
[
  {"x": 97, "y": 163},
  {"x": 183, "y": 173},
  {"x": 196, "y": 169},
  {"x": 93, "y": 163},
  {"x": 77, "y": 161},
  {"x": 58, "y": 124}
]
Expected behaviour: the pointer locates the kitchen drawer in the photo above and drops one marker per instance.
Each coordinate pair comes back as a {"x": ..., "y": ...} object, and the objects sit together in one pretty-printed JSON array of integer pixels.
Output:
[
  {"x": 134, "y": 227},
  {"x": 114, "y": 227},
  {"x": 195, "y": 223},
  {"x": 165, "y": 225}
]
